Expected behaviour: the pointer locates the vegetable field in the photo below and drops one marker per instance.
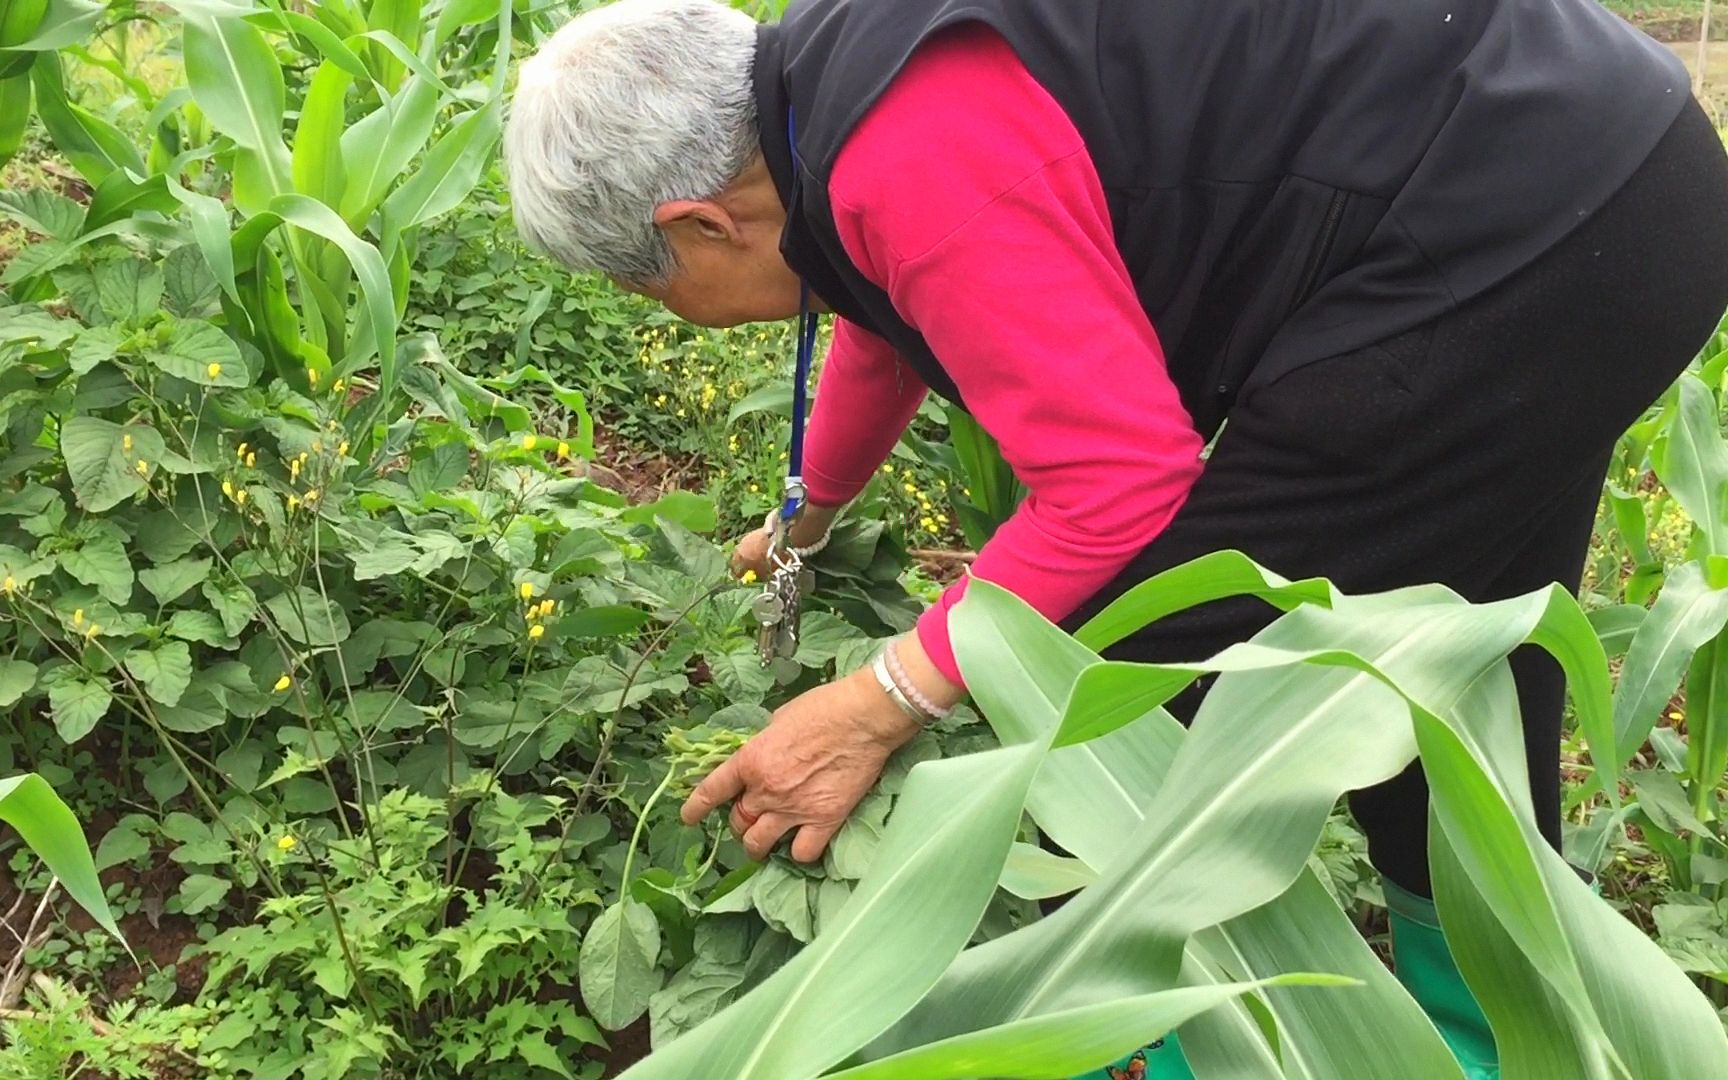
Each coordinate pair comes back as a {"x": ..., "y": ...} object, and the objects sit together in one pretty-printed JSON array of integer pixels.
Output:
[{"x": 365, "y": 616}]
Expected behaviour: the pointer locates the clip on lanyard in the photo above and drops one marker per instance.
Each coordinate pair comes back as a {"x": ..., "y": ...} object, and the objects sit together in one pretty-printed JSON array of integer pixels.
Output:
[{"x": 777, "y": 607}]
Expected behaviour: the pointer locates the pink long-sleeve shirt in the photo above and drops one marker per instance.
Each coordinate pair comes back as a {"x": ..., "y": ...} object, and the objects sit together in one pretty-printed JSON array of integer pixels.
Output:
[{"x": 967, "y": 194}]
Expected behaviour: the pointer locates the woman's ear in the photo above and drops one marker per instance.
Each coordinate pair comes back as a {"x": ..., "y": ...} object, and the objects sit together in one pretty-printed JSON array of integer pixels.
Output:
[{"x": 698, "y": 219}]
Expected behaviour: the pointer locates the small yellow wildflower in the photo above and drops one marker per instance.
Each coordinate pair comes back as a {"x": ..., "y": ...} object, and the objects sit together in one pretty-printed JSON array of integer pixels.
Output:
[
  {"x": 92, "y": 631},
  {"x": 660, "y": 401},
  {"x": 317, "y": 446},
  {"x": 293, "y": 502},
  {"x": 294, "y": 470},
  {"x": 126, "y": 443},
  {"x": 10, "y": 584},
  {"x": 240, "y": 452},
  {"x": 251, "y": 460},
  {"x": 283, "y": 683},
  {"x": 311, "y": 496},
  {"x": 287, "y": 843},
  {"x": 78, "y": 617},
  {"x": 214, "y": 371},
  {"x": 336, "y": 387},
  {"x": 755, "y": 489},
  {"x": 143, "y": 467},
  {"x": 228, "y": 488},
  {"x": 529, "y": 441},
  {"x": 240, "y": 497},
  {"x": 888, "y": 468},
  {"x": 312, "y": 376},
  {"x": 1675, "y": 716},
  {"x": 749, "y": 577},
  {"x": 303, "y": 456},
  {"x": 910, "y": 489},
  {"x": 527, "y": 590},
  {"x": 681, "y": 414},
  {"x": 342, "y": 449},
  {"x": 547, "y": 606},
  {"x": 536, "y": 632},
  {"x": 563, "y": 450}
]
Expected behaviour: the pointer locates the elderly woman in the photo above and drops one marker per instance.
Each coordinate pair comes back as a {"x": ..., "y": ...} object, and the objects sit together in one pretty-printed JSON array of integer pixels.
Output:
[{"x": 1413, "y": 266}]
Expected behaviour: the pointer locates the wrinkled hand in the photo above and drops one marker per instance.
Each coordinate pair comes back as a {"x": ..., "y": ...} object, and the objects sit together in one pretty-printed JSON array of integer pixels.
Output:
[
  {"x": 752, "y": 550},
  {"x": 751, "y": 554},
  {"x": 819, "y": 756}
]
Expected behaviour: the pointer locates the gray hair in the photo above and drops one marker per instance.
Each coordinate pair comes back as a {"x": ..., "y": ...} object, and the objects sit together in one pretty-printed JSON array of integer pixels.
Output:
[{"x": 626, "y": 107}]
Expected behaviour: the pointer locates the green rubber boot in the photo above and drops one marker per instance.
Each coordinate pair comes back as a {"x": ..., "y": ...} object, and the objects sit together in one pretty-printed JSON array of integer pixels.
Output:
[
  {"x": 1424, "y": 965},
  {"x": 1162, "y": 1060}
]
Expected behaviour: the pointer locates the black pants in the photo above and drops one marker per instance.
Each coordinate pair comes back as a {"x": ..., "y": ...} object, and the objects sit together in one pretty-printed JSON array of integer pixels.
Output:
[{"x": 1469, "y": 452}]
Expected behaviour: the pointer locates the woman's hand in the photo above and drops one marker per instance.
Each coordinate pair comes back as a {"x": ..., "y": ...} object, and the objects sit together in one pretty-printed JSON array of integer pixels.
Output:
[
  {"x": 819, "y": 756},
  {"x": 807, "y": 528}
]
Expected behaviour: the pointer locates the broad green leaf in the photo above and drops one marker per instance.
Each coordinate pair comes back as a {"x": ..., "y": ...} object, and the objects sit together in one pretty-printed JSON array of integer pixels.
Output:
[
  {"x": 1210, "y": 577},
  {"x": 317, "y": 161},
  {"x": 237, "y": 81},
  {"x": 392, "y": 553},
  {"x": 448, "y": 172},
  {"x": 16, "y": 679},
  {"x": 128, "y": 289},
  {"x": 1695, "y": 464},
  {"x": 198, "y": 710},
  {"x": 618, "y": 965},
  {"x": 1035, "y": 874},
  {"x": 165, "y": 670},
  {"x": 233, "y": 602},
  {"x": 100, "y": 559},
  {"x": 740, "y": 674},
  {"x": 306, "y": 617},
  {"x": 48, "y": 828},
  {"x": 1687, "y": 613},
  {"x": 201, "y": 892},
  {"x": 1064, "y": 1044},
  {"x": 76, "y": 705},
  {"x": 43, "y": 211},
  {"x": 192, "y": 350},
  {"x": 168, "y": 582},
  {"x": 103, "y": 471}
]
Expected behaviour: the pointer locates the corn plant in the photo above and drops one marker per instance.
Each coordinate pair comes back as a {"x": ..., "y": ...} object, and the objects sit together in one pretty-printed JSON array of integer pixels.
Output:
[
  {"x": 1200, "y": 911},
  {"x": 49, "y": 829}
]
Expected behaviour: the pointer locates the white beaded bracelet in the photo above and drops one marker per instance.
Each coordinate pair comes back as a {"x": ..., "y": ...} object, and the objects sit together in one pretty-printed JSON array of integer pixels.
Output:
[
  {"x": 801, "y": 552},
  {"x": 879, "y": 668},
  {"x": 897, "y": 672}
]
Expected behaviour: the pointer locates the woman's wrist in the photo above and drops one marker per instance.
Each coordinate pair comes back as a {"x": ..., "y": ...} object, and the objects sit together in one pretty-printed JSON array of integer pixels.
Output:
[
  {"x": 812, "y": 524},
  {"x": 922, "y": 675}
]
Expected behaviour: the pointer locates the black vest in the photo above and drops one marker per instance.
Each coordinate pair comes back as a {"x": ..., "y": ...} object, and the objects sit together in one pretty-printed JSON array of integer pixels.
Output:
[{"x": 1287, "y": 179}]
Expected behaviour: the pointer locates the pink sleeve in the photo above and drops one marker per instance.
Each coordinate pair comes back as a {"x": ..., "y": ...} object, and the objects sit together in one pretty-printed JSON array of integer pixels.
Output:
[
  {"x": 864, "y": 401},
  {"x": 968, "y": 195}
]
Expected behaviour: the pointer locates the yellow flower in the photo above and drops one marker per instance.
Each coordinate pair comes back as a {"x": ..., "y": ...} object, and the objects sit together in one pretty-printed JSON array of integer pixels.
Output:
[
  {"x": 546, "y": 606},
  {"x": 143, "y": 467},
  {"x": 336, "y": 387},
  {"x": 317, "y": 446},
  {"x": 527, "y": 590},
  {"x": 563, "y": 450},
  {"x": 240, "y": 497},
  {"x": 311, "y": 496},
  {"x": 660, "y": 401},
  {"x": 888, "y": 468},
  {"x": 312, "y": 376},
  {"x": 214, "y": 371},
  {"x": 294, "y": 470},
  {"x": 1675, "y": 716},
  {"x": 536, "y": 632},
  {"x": 10, "y": 584},
  {"x": 293, "y": 502},
  {"x": 228, "y": 488},
  {"x": 755, "y": 489},
  {"x": 681, "y": 414},
  {"x": 126, "y": 443},
  {"x": 283, "y": 683},
  {"x": 78, "y": 617},
  {"x": 251, "y": 460},
  {"x": 342, "y": 450},
  {"x": 910, "y": 489},
  {"x": 92, "y": 631},
  {"x": 749, "y": 577},
  {"x": 240, "y": 452},
  {"x": 529, "y": 442},
  {"x": 303, "y": 456},
  {"x": 287, "y": 843},
  {"x": 928, "y": 523}
]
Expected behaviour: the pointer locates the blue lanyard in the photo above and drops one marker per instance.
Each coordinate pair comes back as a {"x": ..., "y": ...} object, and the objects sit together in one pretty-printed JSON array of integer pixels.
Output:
[{"x": 807, "y": 326}]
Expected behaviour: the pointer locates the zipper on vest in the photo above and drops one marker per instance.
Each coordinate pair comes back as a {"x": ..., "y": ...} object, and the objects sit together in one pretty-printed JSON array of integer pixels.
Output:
[{"x": 1322, "y": 247}]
